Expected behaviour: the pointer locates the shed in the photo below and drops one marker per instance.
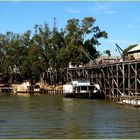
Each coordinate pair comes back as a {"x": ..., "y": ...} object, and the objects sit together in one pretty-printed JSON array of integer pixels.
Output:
[{"x": 135, "y": 52}]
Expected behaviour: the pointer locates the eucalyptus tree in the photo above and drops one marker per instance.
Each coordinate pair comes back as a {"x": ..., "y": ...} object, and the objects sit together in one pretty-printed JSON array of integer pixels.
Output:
[
  {"x": 9, "y": 54},
  {"x": 81, "y": 36},
  {"x": 93, "y": 33},
  {"x": 9, "y": 49},
  {"x": 33, "y": 64},
  {"x": 34, "y": 52},
  {"x": 73, "y": 32},
  {"x": 2, "y": 53},
  {"x": 107, "y": 52}
]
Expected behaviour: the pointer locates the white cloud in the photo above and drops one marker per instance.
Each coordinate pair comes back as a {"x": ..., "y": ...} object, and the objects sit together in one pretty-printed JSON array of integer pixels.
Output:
[
  {"x": 74, "y": 11},
  {"x": 103, "y": 8}
]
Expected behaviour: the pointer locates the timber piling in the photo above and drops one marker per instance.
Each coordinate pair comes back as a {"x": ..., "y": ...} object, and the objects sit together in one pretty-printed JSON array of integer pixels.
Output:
[
  {"x": 116, "y": 79},
  {"x": 5, "y": 88}
]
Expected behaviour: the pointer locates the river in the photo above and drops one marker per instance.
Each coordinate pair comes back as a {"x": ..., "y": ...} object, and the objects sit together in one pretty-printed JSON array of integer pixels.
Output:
[{"x": 53, "y": 116}]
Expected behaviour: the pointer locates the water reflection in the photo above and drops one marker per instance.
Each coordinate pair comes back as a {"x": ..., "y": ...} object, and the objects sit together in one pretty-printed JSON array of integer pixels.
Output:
[
  {"x": 68, "y": 104},
  {"x": 57, "y": 117}
]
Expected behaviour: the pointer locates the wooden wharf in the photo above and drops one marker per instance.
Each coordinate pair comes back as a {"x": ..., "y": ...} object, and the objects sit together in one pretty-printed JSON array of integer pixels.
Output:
[
  {"x": 53, "y": 92},
  {"x": 5, "y": 88},
  {"x": 115, "y": 79}
]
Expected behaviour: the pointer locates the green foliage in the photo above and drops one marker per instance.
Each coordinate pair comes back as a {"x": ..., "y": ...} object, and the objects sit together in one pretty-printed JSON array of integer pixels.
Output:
[
  {"x": 33, "y": 52},
  {"x": 107, "y": 52}
]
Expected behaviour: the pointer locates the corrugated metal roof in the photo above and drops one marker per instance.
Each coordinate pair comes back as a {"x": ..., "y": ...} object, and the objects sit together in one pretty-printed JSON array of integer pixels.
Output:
[{"x": 135, "y": 49}]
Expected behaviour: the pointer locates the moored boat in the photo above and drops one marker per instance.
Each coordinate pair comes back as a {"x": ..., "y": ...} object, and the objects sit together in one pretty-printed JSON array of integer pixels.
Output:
[
  {"x": 130, "y": 100},
  {"x": 82, "y": 88}
]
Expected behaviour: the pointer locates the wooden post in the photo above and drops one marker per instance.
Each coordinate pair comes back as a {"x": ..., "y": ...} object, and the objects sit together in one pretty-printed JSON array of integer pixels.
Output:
[
  {"x": 123, "y": 68},
  {"x": 112, "y": 80},
  {"x": 117, "y": 80},
  {"x": 136, "y": 75},
  {"x": 104, "y": 85},
  {"x": 129, "y": 79}
]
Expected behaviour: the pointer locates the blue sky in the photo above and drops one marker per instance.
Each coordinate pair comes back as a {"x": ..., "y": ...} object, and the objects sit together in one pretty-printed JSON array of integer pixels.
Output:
[{"x": 121, "y": 20}]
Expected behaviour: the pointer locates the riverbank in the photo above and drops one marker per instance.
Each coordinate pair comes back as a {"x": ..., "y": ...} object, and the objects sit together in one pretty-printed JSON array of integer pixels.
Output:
[{"x": 43, "y": 88}]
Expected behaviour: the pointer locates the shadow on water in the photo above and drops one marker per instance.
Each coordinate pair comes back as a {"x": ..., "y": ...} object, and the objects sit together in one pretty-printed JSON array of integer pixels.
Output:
[{"x": 53, "y": 116}]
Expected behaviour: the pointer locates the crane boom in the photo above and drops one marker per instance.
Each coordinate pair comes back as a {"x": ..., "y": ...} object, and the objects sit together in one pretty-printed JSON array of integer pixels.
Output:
[
  {"x": 88, "y": 56},
  {"x": 120, "y": 51}
]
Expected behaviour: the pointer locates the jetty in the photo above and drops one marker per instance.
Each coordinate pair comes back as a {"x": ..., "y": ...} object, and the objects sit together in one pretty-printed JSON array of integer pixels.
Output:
[
  {"x": 5, "y": 88},
  {"x": 119, "y": 80},
  {"x": 116, "y": 79}
]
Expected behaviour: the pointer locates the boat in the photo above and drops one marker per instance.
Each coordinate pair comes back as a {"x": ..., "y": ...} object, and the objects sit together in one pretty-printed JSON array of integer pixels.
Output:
[
  {"x": 129, "y": 100},
  {"x": 82, "y": 88},
  {"x": 26, "y": 87}
]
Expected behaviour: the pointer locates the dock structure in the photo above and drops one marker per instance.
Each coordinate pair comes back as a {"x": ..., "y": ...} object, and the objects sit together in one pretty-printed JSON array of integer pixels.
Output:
[
  {"x": 115, "y": 79},
  {"x": 53, "y": 76},
  {"x": 5, "y": 88}
]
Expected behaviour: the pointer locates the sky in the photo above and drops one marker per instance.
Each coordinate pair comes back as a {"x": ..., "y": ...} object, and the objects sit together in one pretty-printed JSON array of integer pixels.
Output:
[{"x": 121, "y": 20}]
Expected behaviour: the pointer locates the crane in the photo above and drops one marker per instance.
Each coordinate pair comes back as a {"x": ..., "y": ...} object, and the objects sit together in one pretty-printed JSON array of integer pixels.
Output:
[
  {"x": 88, "y": 56},
  {"x": 121, "y": 52}
]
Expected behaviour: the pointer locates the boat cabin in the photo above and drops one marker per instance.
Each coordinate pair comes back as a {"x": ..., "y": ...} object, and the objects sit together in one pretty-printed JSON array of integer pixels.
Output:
[{"x": 81, "y": 87}]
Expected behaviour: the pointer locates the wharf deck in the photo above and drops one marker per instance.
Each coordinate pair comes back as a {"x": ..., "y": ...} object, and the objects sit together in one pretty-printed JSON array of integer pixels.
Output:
[
  {"x": 115, "y": 79},
  {"x": 6, "y": 89}
]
